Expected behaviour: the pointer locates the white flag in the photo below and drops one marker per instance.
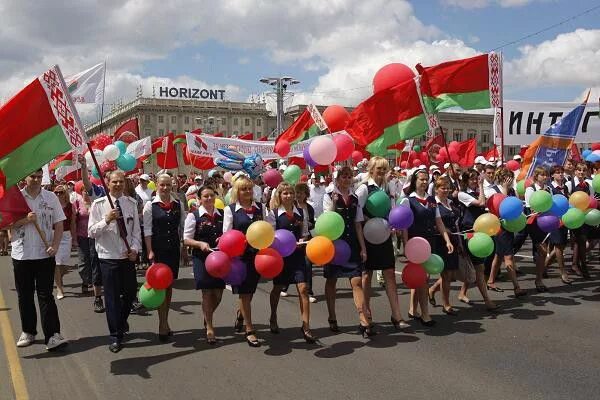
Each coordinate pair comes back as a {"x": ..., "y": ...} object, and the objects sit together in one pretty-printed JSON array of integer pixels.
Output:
[
  {"x": 140, "y": 148},
  {"x": 87, "y": 86}
]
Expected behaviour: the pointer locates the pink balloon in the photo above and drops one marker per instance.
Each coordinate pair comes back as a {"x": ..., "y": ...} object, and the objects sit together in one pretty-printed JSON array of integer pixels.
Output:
[
  {"x": 390, "y": 75},
  {"x": 322, "y": 150},
  {"x": 417, "y": 250},
  {"x": 403, "y": 164},
  {"x": 218, "y": 264},
  {"x": 512, "y": 165},
  {"x": 272, "y": 178},
  {"x": 344, "y": 145},
  {"x": 416, "y": 162},
  {"x": 357, "y": 156},
  {"x": 453, "y": 145},
  {"x": 593, "y": 202}
]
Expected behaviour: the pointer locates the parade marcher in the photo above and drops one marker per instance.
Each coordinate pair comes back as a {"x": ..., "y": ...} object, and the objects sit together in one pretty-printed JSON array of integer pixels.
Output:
[
  {"x": 480, "y": 162},
  {"x": 284, "y": 214},
  {"x": 143, "y": 190},
  {"x": 379, "y": 256},
  {"x": 559, "y": 238},
  {"x": 34, "y": 263},
  {"x": 63, "y": 253},
  {"x": 577, "y": 184},
  {"x": 317, "y": 192},
  {"x": 193, "y": 189},
  {"x": 203, "y": 227},
  {"x": 106, "y": 225},
  {"x": 164, "y": 219},
  {"x": 242, "y": 212},
  {"x": 4, "y": 242},
  {"x": 302, "y": 194},
  {"x": 569, "y": 168}
]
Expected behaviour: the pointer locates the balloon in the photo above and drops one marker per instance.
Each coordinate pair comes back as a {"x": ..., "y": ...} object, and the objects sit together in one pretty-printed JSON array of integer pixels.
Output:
[
  {"x": 441, "y": 158},
  {"x": 416, "y": 162},
  {"x": 260, "y": 234},
  {"x": 342, "y": 252},
  {"x": 391, "y": 75},
  {"x": 320, "y": 250},
  {"x": 378, "y": 204},
  {"x": 344, "y": 145},
  {"x": 79, "y": 187},
  {"x": 357, "y": 156},
  {"x": 218, "y": 264},
  {"x": 592, "y": 217},
  {"x": 414, "y": 276},
  {"x": 159, "y": 276},
  {"x": 593, "y": 202},
  {"x": 108, "y": 166},
  {"x": 268, "y": 263},
  {"x": 515, "y": 225},
  {"x": 513, "y": 165},
  {"x": 403, "y": 164},
  {"x": 282, "y": 147},
  {"x": 253, "y": 165},
  {"x": 511, "y": 208},
  {"x": 219, "y": 204},
  {"x": 548, "y": 222},
  {"x": 493, "y": 203},
  {"x": 521, "y": 187},
  {"x": 586, "y": 153},
  {"x": 596, "y": 146},
  {"x": 487, "y": 223},
  {"x": 101, "y": 141},
  {"x": 227, "y": 176},
  {"x": 417, "y": 250},
  {"x": 192, "y": 204},
  {"x": 272, "y": 178},
  {"x": 99, "y": 157},
  {"x": 237, "y": 273},
  {"x": 122, "y": 146},
  {"x": 481, "y": 245},
  {"x": 574, "y": 218},
  {"x": 111, "y": 152},
  {"x": 151, "y": 298},
  {"x": 228, "y": 197},
  {"x": 284, "y": 242},
  {"x": 401, "y": 217},
  {"x": 434, "y": 264},
  {"x": 151, "y": 185},
  {"x": 376, "y": 230},
  {"x": 540, "y": 201},
  {"x": 292, "y": 174},
  {"x": 95, "y": 173},
  {"x": 336, "y": 117},
  {"x": 126, "y": 162},
  {"x": 322, "y": 150},
  {"x": 417, "y": 148},
  {"x": 233, "y": 243},
  {"x": 580, "y": 200},
  {"x": 329, "y": 224},
  {"x": 560, "y": 205}
]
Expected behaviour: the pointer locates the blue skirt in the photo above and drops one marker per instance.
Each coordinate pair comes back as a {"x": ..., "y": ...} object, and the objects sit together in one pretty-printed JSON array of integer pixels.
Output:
[
  {"x": 503, "y": 243},
  {"x": 349, "y": 270},
  {"x": 450, "y": 260},
  {"x": 171, "y": 258},
  {"x": 252, "y": 277},
  {"x": 295, "y": 269},
  {"x": 559, "y": 236},
  {"x": 203, "y": 279}
]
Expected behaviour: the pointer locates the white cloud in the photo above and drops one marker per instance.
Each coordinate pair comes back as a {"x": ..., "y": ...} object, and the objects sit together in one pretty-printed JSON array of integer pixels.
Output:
[{"x": 474, "y": 4}]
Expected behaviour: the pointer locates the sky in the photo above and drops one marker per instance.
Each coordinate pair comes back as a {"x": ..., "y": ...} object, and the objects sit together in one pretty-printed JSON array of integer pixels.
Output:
[{"x": 333, "y": 48}]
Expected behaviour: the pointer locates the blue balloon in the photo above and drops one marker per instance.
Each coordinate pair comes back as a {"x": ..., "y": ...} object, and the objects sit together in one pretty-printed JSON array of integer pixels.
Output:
[
  {"x": 592, "y": 158},
  {"x": 228, "y": 164},
  {"x": 560, "y": 205},
  {"x": 253, "y": 165},
  {"x": 122, "y": 146},
  {"x": 126, "y": 162},
  {"x": 510, "y": 208},
  {"x": 586, "y": 153}
]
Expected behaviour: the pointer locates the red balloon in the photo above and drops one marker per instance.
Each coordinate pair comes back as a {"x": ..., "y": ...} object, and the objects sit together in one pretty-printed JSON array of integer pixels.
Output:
[
  {"x": 303, "y": 178},
  {"x": 218, "y": 264},
  {"x": 513, "y": 165},
  {"x": 108, "y": 166},
  {"x": 403, "y": 164},
  {"x": 357, "y": 156},
  {"x": 416, "y": 163},
  {"x": 79, "y": 187},
  {"x": 159, "y": 276},
  {"x": 268, "y": 263},
  {"x": 101, "y": 141},
  {"x": 595, "y": 146},
  {"x": 414, "y": 276},
  {"x": 593, "y": 202},
  {"x": 391, "y": 75},
  {"x": 441, "y": 158},
  {"x": 336, "y": 117},
  {"x": 282, "y": 147},
  {"x": 272, "y": 178},
  {"x": 344, "y": 145},
  {"x": 493, "y": 203},
  {"x": 232, "y": 243}
]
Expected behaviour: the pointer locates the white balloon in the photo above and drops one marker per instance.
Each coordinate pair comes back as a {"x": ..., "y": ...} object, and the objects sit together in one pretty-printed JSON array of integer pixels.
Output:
[
  {"x": 111, "y": 152},
  {"x": 99, "y": 156},
  {"x": 322, "y": 150},
  {"x": 376, "y": 230},
  {"x": 88, "y": 159}
]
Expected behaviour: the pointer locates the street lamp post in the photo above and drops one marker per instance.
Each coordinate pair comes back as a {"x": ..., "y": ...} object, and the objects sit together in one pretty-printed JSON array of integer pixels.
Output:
[{"x": 280, "y": 84}]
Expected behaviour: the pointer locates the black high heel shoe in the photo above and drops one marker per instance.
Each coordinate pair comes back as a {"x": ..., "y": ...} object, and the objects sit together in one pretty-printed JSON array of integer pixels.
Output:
[
  {"x": 399, "y": 324},
  {"x": 308, "y": 336},
  {"x": 238, "y": 325},
  {"x": 366, "y": 331},
  {"x": 333, "y": 325},
  {"x": 273, "y": 327},
  {"x": 251, "y": 342}
]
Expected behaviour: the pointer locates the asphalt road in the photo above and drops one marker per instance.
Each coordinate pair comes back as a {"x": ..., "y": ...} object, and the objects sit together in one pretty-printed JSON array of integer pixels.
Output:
[{"x": 544, "y": 346}]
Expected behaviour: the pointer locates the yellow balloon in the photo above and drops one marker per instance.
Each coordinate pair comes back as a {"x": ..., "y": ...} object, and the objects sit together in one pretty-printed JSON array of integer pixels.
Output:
[
  {"x": 219, "y": 204},
  {"x": 580, "y": 200},
  {"x": 487, "y": 223},
  {"x": 151, "y": 185},
  {"x": 260, "y": 234}
]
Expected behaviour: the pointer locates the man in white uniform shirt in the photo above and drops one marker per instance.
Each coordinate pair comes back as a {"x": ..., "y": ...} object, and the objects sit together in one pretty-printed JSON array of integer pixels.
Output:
[
  {"x": 116, "y": 261},
  {"x": 317, "y": 192},
  {"x": 143, "y": 190},
  {"x": 34, "y": 264}
]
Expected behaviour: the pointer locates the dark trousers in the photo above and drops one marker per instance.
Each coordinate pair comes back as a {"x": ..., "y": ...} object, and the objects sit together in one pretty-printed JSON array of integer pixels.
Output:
[
  {"x": 120, "y": 286},
  {"x": 36, "y": 276},
  {"x": 89, "y": 268}
]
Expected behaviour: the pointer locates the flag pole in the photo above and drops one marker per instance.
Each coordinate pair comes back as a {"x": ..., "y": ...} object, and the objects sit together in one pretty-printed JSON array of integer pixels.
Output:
[{"x": 448, "y": 152}]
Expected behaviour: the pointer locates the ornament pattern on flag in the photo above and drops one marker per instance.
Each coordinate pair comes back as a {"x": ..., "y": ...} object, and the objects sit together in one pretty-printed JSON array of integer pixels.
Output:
[{"x": 495, "y": 78}]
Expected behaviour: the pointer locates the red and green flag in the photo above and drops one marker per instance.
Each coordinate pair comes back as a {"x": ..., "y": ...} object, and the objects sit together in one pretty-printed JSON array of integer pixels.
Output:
[
  {"x": 304, "y": 127},
  {"x": 470, "y": 83},
  {"x": 36, "y": 125}
]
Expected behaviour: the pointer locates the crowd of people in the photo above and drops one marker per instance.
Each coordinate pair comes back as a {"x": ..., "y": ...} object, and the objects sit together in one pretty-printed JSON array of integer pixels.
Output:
[{"x": 174, "y": 219}]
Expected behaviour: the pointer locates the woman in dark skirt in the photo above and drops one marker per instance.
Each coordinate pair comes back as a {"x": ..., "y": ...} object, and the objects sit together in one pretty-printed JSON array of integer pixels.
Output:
[
  {"x": 580, "y": 235},
  {"x": 203, "y": 228},
  {"x": 163, "y": 225},
  {"x": 379, "y": 256},
  {"x": 559, "y": 238},
  {"x": 345, "y": 203},
  {"x": 239, "y": 215},
  {"x": 284, "y": 214}
]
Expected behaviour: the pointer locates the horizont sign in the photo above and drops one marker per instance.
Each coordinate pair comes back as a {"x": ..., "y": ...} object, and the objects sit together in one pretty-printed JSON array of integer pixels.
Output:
[{"x": 191, "y": 93}]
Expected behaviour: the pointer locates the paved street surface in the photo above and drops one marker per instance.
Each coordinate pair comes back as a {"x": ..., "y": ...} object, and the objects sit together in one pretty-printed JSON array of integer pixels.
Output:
[{"x": 544, "y": 346}]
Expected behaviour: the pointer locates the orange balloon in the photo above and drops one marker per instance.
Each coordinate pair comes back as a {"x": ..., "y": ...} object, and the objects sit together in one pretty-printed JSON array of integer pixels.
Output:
[
  {"x": 487, "y": 223},
  {"x": 320, "y": 250},
  {"x": 580, "y": 200}
]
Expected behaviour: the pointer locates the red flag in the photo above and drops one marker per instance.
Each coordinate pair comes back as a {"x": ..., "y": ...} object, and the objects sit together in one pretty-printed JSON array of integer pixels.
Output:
[
  {"x": 128, "y": 132},
  {"x": 202, "y": 163},
  {"x": 247, "y": 136},
  {"x": 466, "y": 153},
  {"x": 433, "y": 146},
  {"x": 575, "y": 154},
  {"x": 263, "y": 139},
  {"x": 13, "y": 207},
  {"x": 492, "y": 153},
  {"x": 523, "y": 151},
  {"x": 167, "y": 157},
  {"x": 302, "y": 128}
]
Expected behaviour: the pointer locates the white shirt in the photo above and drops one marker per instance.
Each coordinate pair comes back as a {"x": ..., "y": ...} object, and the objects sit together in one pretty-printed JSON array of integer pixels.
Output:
[
  {"x": 25, "y": 240},
  {"x": 192, "y": 190},
  {"x": 147, "y": 216},
  {"x": 489, "y": 190},
  {"x": 575, "y": 182},
  {"x": 329, "y": 205},
  {"x": 316, "y": 198},
  {"x": 228, "y": 216},
  {"x": 189, "y": 230},
  {"x": 257, "y": 193},
  {"x": 465, "y": 198},
  {"x": 109, "y": 244},
  {"x": 281, "y": 210},
  {"x": 145, "y": 194}
]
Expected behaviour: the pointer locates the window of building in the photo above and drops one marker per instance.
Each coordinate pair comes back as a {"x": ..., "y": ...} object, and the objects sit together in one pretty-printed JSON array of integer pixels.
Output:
[
  {"x": 471, "y": 134},
  {"x": 457, "y": 135},
  {"x": 186, "y": 120},
  {"x": 246, "y": 121},
  {"x": 223, "y": 121},
  {"x": 161, "y": 119},
  {"x": 173, "y": 119},
  {"x": 235, "y": 121},
  {"x": 258, "y": 134},
  {"x": 161, "y": 132},
  {"x": 147, "y": 119},
  {"x": 485, "y": 136},
  {"x": 259, "y": 122},
  {"x": 147, "y": 132}
]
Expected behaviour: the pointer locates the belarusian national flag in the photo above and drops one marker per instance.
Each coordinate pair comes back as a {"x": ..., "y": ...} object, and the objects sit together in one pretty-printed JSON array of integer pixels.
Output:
[
  {"x": 471, "y": 83},
  {"x": 388, "y": 117},
  {"x": 37, "y": 124},
  {"x": 87, "y": 86},
  {"x": 302, "y": 128}
]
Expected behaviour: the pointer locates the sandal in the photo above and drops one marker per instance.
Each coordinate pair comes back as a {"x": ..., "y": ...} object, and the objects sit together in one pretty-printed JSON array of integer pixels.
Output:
[
  {"x": 541, "y": 288},
  {"x": 238, "y": 325},
  {"x": 308, "y": 336},
  {"x": 210, "y": 339},
  {"x": 520, "y": 292},
  {"x": 450, "y": 311},
  {"x": 252, "y": 342},
  {"x": 464, "y": 299},
  {"x": 494, "y": 288},
  {"x": 333, "y": 325},
  {"x": 432, "y": 299},
  {"x": 566, "y": 281}
]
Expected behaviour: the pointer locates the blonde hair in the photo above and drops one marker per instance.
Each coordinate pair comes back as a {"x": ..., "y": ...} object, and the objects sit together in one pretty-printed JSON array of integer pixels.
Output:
[
  {"x": 539, "y": 171},
  {"x": 240, "y": 182},
  {"x": 442, "y": 181},
  {"x": 276, "y": 197},
  {"x": 375, "y": 162}
]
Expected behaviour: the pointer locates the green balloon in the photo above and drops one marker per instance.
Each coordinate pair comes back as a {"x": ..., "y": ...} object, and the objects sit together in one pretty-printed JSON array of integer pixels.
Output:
[
  {"x": 151, "y": 298},
  {"x": 292, "y": 174},
  {"x": 592, "y": 217},
  {"x": 521, "y": 187},
  {"x": 378, "y": 204},
  {"x": 434, "y": 264},
  {"x": 540, "y": 201},
  {"x": 329, "y": 224},
  {"x": 515, "y": 225},
  {"x": 481, "y": 245},
  {"x": 596, "y": 183},
  {"x": 417, "y": 148},
  {"x": 574, "y": 218}
]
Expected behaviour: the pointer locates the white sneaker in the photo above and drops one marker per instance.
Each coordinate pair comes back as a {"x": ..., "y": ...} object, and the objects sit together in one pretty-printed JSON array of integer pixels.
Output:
[
  {"x": 312, "y": 299},
  {"x": 284, "y": 294},
  {"x": 26, "y": 339},
  {"x": 56, "y": 342}
]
